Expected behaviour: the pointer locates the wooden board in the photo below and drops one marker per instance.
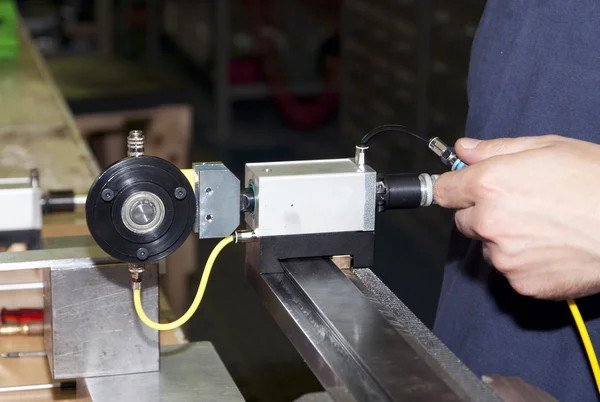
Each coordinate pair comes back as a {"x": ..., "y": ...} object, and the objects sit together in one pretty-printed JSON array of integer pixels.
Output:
[{"x": 36, "y": 127}]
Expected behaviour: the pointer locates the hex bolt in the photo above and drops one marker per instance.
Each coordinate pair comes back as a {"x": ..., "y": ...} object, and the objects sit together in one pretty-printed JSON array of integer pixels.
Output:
[
  {"x": 180, "y": 193},
  {"x": 142, "y": 254},
  {"x": 108, "y": 195}
]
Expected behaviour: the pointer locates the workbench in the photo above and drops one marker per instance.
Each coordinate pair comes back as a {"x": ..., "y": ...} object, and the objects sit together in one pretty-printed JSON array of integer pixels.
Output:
[
  {"x": 36, "y": 127},
  {"x": 37, "y": 131}
]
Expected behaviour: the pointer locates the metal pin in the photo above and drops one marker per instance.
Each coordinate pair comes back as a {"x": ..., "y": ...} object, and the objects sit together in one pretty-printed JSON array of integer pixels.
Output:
[
  {"x": 30, "y": 328},
  {"x": 9, "y": 287},
  {"x": 23, "y": 354},
  {"x": 37, "y": 387}
]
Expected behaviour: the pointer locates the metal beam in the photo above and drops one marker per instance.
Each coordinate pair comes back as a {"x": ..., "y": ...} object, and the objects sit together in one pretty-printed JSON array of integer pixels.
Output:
[{"x": 354, "y": 351}]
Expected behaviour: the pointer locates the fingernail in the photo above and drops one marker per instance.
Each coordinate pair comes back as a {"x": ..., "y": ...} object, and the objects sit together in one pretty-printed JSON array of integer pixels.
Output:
[{"x": 469, "y": 143}]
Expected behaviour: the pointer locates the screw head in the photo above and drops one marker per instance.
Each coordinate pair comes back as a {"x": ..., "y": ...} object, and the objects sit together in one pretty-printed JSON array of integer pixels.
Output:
[
  {"x": 142, "y": 254},
  {"x": 108, "y": 195},
  {"x": 180, "y": 193}
]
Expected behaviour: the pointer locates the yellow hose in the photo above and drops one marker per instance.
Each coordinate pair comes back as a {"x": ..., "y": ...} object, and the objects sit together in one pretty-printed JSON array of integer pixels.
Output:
[
  {"x": 137, "y": 298},
  {"x": 587, "y": 342}
]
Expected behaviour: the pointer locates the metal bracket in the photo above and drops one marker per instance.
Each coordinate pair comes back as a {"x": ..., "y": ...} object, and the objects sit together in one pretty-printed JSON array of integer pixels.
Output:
[{"x": 217, "y": 200}]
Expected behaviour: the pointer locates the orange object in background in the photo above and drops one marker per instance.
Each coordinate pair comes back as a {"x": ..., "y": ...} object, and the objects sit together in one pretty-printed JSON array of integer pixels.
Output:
[{"x": 21, "y": 315}]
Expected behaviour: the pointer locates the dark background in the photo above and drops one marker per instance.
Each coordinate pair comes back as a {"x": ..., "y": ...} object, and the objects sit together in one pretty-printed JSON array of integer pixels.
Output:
[{"x": 347, "y": 66}]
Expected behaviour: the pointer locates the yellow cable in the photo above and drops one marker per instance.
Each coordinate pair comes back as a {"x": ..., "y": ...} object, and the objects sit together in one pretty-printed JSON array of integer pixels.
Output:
[
  {"x": 137, "y": 298},
  {"x": 587, "y": 342}
]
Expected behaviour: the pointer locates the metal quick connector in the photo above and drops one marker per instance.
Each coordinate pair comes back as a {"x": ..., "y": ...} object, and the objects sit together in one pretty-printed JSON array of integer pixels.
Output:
[
  {"x": 245, "y": 236},
  {"x": 137, "y": 271},
  {"x": 442, "y": 150}
]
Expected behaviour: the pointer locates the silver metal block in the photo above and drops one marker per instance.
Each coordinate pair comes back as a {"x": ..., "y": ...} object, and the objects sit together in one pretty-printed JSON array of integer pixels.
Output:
[
  {"x": 20, "y": 206},
  {"x": 91, "y": 328},
  {"x": 192, "y": 372},
  {"x": 304, "y": 197},
  {"x": 218, "y": 200}
]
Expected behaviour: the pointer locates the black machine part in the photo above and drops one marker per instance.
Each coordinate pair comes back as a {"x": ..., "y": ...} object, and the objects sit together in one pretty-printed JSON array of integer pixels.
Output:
[
  {"x": 137, "y": 211},
  {"x": 58, "y": 201},
  {"x": 247, "y": 200},
  {"x": 399, "y": 191}
]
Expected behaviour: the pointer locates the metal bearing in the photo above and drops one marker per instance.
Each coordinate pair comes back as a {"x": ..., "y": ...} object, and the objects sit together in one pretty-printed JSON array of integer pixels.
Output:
[
  {"x": 145, "y": 220},
  {"x": 143, "y": 212}
]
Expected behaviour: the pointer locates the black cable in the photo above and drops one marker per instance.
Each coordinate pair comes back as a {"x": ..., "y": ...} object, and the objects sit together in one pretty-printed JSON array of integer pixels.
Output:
[{"x": 389, "y": 127}]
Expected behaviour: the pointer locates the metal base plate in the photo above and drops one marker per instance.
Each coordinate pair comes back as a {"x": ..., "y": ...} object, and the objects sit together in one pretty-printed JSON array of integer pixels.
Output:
[{"x": 190, "y": 372}]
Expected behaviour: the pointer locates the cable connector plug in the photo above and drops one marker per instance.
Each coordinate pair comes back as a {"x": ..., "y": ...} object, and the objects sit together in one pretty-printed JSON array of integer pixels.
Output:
[{"x": 244, "y": 236}]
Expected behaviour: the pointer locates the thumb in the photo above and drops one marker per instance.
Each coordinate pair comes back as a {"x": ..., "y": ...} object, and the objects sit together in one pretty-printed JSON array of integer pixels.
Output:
[{"x": 472, "y": 151}]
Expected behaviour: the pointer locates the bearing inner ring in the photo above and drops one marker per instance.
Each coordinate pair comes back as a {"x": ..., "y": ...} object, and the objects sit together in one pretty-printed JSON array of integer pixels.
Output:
[{"x": 142, "y": 212}]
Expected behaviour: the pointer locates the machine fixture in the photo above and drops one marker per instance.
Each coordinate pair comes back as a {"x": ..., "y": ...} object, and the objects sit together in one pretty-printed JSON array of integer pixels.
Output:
[{"x": 360, "y": 341}]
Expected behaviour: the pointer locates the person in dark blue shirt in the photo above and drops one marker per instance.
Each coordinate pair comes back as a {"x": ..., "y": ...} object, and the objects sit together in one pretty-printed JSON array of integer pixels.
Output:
[{"x": 528, "y": 207}]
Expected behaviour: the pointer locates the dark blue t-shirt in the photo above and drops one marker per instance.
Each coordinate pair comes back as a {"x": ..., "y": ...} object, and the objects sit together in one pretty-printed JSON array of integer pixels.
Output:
[{"x": 535, "y": 69}]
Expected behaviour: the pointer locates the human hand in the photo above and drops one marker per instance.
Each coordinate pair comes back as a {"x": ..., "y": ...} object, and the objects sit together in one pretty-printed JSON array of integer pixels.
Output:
[{"x": 535, "y": 205}]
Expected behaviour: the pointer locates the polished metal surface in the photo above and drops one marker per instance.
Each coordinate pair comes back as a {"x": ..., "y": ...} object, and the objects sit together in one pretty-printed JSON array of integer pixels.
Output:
[
  {"x": 142, "y": 212},
  {"x": 191, "y": 372},
  {"x": 91, "y": 328},
  {"x": 306, "y": 197},
  {"x": 218, "y": 200},
  {"x": 352, "y": 348}
]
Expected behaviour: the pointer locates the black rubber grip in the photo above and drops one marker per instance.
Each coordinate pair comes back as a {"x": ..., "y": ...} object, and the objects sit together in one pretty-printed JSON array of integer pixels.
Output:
[{"x": 402, "y": 191}]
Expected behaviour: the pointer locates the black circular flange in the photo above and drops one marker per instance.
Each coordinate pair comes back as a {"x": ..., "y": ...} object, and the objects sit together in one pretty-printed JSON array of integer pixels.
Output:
[{"x": 125, "y": 178}]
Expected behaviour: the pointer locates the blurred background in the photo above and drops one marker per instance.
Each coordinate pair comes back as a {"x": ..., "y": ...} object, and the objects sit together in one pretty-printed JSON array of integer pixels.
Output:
[{"x": 266, "y": 80}]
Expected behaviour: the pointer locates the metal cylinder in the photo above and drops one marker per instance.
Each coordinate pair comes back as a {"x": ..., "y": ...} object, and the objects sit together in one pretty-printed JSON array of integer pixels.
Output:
[
  {"x": 245, "y": 236},
  {"x": 135, "y": 144},
  {"x": 31, "y": 328},
  {"x": 360, "y": 157}
]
